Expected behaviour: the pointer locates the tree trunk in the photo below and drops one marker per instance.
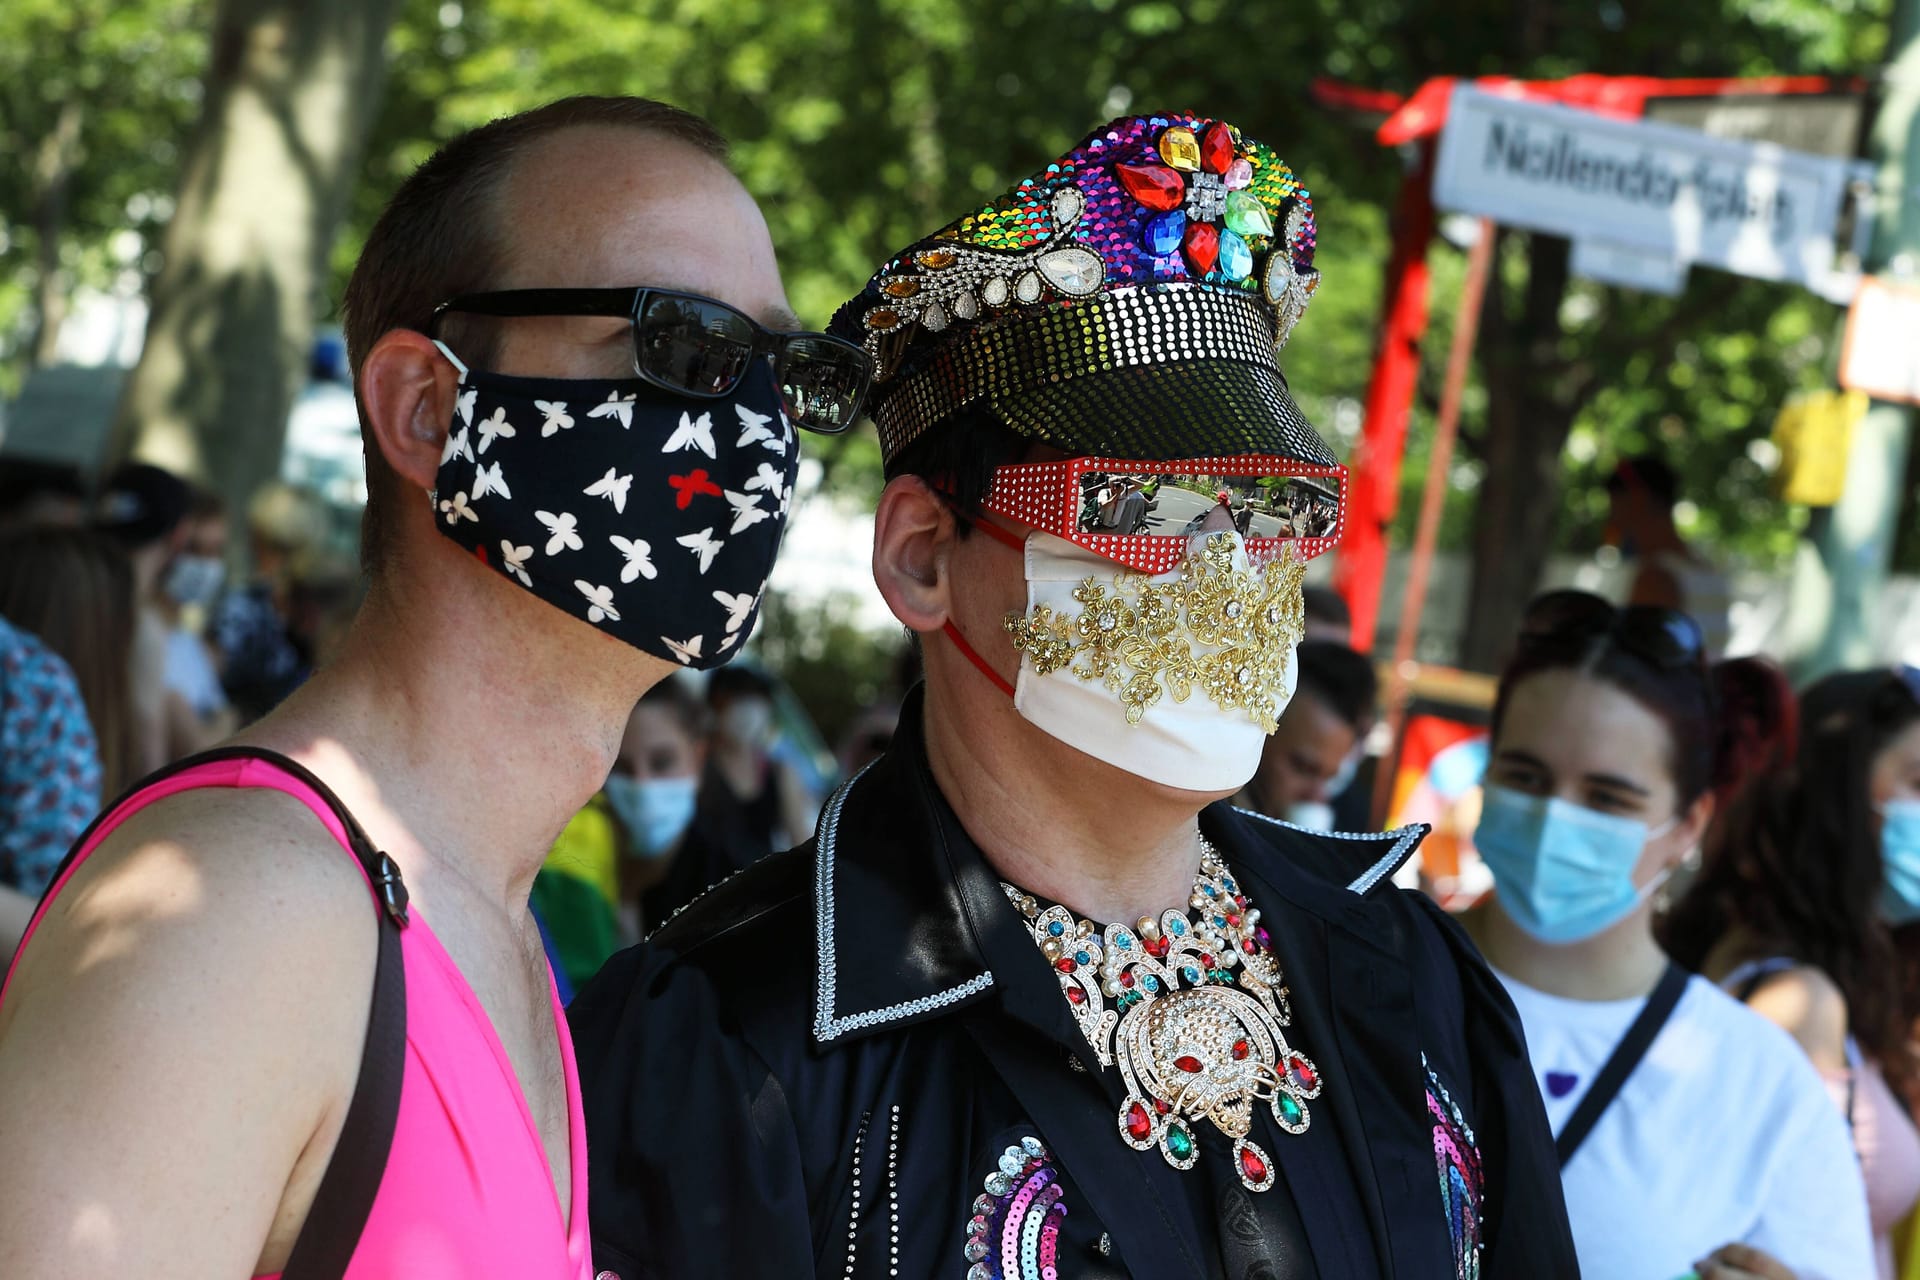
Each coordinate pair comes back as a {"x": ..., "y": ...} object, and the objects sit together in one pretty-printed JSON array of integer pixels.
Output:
[
  {"x": 53, "y": 166},
  {"x": 1529, "y": 416},
  {"x": 290, "y": 94}
]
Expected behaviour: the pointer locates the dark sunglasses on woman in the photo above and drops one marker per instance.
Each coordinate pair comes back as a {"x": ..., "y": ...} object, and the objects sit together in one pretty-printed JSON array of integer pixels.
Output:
[
  {"x": 1666, "y": 638},
  {"x": 701, "y": 347}
]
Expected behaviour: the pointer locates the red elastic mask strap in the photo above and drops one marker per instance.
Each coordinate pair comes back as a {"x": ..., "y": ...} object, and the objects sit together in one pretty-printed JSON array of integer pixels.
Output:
[
  {"x": 960, "y": 643},
  {"x": 983, "y": 524}
]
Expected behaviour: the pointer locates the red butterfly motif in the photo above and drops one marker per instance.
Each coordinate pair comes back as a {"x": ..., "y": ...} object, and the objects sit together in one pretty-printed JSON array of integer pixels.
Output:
[{"x": 696, "y": 482}]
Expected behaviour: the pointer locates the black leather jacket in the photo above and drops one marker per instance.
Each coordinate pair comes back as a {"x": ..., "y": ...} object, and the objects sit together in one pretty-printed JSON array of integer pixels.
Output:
[{"x": 817, "y": 1067}]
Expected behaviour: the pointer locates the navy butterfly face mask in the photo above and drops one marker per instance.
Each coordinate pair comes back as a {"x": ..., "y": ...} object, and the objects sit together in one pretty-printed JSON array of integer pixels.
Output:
[{"x": 653, "y": 517}]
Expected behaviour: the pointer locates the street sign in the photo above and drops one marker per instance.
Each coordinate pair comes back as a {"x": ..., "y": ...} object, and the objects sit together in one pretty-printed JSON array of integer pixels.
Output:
[
  {"x": 1751, "y": 208},
  {"x": 1820, "y": 124},
  {"x": 1647, "y": 270},
  {"x": 1881, "y": 354}
]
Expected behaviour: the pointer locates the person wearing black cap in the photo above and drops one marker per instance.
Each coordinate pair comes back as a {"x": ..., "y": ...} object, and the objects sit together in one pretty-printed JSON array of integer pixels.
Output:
[{"x": 1034, "y": 1002}]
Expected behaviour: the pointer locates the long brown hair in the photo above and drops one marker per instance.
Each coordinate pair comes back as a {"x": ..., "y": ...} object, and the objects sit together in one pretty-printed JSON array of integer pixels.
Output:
[
  {"x": 73, "y": 588},
  {"x": 1796, "y": 863}
]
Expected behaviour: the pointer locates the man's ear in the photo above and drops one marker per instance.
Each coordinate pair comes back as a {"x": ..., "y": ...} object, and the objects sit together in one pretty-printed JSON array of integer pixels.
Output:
[
  {"x": 913, "y": 537},
  {"x": 408, "y": 389}
]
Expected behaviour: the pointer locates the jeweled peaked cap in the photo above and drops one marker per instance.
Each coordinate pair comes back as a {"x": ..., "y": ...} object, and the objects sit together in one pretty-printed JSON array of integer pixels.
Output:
[{"x": 1128, "y": 300}]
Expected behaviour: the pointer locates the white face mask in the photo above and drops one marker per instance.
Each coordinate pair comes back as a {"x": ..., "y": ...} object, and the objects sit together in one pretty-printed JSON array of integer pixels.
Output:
[{"x": 1176, "y": 678}]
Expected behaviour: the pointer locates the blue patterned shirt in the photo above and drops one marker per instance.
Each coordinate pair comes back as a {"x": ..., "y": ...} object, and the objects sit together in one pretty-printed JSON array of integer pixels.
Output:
[{"x": 49, "y": 761}]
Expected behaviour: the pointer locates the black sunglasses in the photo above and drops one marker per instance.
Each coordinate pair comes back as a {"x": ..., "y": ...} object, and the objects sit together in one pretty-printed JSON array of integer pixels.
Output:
[
  {"x": 1666, "y": 638},
  {"x": 698, "y": 346}
]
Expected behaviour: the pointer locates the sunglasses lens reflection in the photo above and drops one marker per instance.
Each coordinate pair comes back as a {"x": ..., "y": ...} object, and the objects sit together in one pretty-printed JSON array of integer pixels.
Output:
[{"x": 1166, "y": 504}]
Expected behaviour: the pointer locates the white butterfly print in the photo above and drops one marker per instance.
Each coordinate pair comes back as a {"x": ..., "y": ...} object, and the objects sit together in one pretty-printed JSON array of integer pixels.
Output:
[
  {"x": 746, "y": 510},
  {"x": 562, "y": 531},
  {"x": 557, "y": 417},
  {"x": 692, "y": 433},
  {"x": 457, "y": 443},
  {"x": 639, "y": 554},
  {"x": 768, "y": 477},
  {"x": 488, "y": 480},
  {"x": 617, "y": 406},
  {"x": 704, "y": 545},
  {"x": 495, "y": 427},
  {"x": 728, "y": 642},
  {"x": 737, "y": 607},
  {"x": 464, "y": 404},
  {"x": 685, "y": 650},
  {"x": 455, "y": 509},
  {"x": 753, "y": 427},
  {"x": 613, "y": 487},
  {"x": 599, "y": 601},
  {"x": 514, "y": 560}
]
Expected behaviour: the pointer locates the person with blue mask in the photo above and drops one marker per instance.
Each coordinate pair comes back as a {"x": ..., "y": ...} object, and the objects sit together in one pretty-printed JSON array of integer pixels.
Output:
[
  {"x": 1694, "y": 1137},
  {"x": 644, "y": 846},
  {"x": 1809, "y": 888}
]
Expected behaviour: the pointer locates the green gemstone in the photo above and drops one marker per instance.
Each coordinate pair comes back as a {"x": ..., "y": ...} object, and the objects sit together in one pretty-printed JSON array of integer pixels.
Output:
[
  {"x": 1179, "y": 1141},
  {"x": 1290, "y": 1110},
  {"x": 1246, "y": 216}
]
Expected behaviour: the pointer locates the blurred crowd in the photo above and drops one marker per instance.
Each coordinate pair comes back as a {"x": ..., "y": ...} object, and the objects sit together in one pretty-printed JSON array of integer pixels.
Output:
[{"x": 1647, "y": 810}]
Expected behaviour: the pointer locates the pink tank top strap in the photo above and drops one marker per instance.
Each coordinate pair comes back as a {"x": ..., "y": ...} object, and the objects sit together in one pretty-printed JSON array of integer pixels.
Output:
[
  {"x": 328, "y": 1239},
  {"x": 229, "y": 767}
]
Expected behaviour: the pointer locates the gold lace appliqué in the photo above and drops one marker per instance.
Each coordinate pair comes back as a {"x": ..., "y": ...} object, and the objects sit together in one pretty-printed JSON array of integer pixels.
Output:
[{"x": 1224, "y": 627}]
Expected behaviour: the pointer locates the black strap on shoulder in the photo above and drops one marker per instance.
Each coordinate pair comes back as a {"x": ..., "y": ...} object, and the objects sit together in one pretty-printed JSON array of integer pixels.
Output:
[
  {"x": 345, "y": 1196},
  {"x": 1620, "y": 1064}
]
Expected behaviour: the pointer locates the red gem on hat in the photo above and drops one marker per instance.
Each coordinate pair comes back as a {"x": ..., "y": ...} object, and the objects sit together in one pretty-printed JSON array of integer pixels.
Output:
[
  {"x": 1155, "y": 186},
  {"x": 1216, "y": 149},
  {"x": 1203, "y": 246}
]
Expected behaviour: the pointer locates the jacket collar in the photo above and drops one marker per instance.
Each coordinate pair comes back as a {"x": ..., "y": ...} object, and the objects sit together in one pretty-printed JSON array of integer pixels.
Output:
[{"x": 907, "y": 911}]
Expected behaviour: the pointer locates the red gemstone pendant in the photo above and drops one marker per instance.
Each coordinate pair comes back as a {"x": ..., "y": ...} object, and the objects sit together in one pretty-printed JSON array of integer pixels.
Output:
[
  {"x": 1252, "y": 1165},
  {"x": 1188, "y": 1063},
  {"x": 1303, "y": 1072},
  {"x": 1139, "y": 1123}
]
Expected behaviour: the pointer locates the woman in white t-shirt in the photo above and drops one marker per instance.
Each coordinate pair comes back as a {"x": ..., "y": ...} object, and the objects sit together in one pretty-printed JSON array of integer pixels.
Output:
[{"x": 1719, "y": 1155}]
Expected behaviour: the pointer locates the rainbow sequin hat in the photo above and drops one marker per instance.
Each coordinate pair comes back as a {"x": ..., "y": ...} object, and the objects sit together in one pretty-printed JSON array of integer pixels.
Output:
[{"x": 1128, "y": 300}]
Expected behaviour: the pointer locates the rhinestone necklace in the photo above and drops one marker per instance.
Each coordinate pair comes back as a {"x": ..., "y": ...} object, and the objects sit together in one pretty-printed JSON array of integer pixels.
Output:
[{"x": 1193, "y": 1039}]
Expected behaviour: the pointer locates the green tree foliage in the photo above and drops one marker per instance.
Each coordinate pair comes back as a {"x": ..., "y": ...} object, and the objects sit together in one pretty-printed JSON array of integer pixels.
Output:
[
  {"x": 96, "y": 101},
  {"x": 862, "y": 124}
]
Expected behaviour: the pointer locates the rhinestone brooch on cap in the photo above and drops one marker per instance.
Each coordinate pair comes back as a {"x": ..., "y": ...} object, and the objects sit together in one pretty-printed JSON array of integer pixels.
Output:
[
  {"x": 951, "y": 281},
  {"x": 1192, "y": 1039}
]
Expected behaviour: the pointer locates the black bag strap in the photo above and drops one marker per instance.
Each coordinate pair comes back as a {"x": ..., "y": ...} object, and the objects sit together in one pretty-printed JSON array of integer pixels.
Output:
[
  {"x": 345, "y": 1196},
  {"x": 1626, "y": 1056}
]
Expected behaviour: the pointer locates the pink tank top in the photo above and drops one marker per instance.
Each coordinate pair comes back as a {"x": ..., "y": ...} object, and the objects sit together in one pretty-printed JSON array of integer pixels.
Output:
[{"x": 467, "y": 1190}]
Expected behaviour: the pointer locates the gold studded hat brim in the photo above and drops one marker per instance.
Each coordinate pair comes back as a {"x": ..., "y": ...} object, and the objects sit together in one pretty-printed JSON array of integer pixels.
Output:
[{"x": 1152, "y": 373}]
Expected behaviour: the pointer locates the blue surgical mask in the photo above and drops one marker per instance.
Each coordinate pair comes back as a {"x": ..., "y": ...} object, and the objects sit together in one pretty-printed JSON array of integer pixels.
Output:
[
  {"x": 655, "y": 811},
  {"x": 1564, "y": 872},
  {"x": 1900, "y": 852}
]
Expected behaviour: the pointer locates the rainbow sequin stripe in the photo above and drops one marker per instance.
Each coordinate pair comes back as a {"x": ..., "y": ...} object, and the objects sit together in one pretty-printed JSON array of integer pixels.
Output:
[
  {"x": 1014, "y": 1233},
  {"x": 1462, "y": 1183}
]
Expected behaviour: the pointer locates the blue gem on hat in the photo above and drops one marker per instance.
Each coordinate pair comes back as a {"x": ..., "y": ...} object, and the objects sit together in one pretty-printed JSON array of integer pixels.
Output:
[
  {"x": 1164, "y": 233},
  {"x": 1236, "y": 259}
]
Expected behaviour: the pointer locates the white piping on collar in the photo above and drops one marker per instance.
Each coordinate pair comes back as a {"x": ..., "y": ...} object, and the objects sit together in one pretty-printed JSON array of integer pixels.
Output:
[
  {"x": 1404, "y": 838},
  {"x": 826, "y": 1027}
]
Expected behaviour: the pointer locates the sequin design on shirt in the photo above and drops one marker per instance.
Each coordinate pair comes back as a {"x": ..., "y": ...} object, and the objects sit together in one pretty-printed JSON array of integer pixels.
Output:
[
  {"x": 1014, "y": 1233},
  {"x": 1462, "y": 1185}
]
